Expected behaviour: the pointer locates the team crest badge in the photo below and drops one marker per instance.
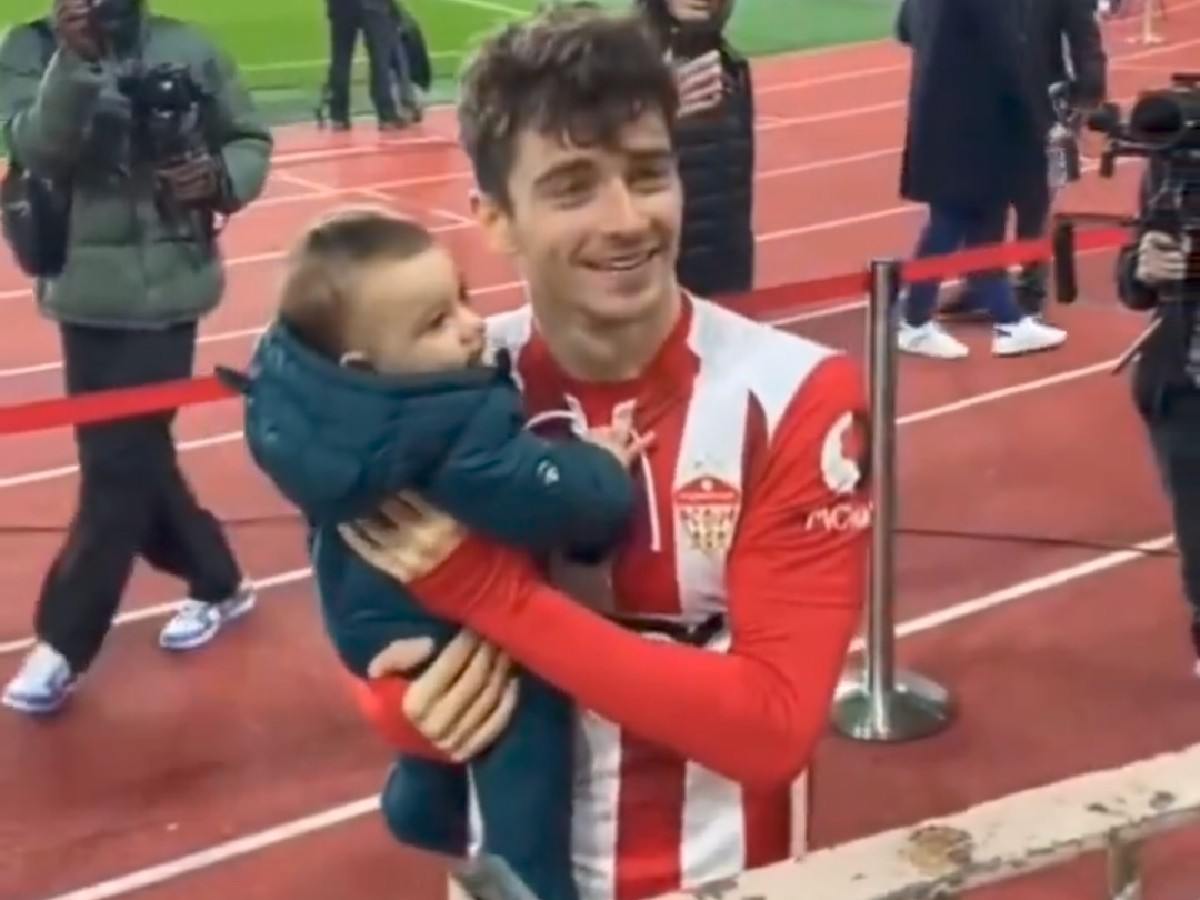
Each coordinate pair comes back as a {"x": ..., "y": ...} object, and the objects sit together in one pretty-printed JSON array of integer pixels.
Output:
[{"x": 708, "y": 510}]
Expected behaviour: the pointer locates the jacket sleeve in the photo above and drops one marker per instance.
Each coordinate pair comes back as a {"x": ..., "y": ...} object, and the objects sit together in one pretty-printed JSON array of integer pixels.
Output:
[
  {"x": 903, "y": 29},
  {"x": 529, "y": 492},
  {"x": 1088, "y": 58},
  {"x": 363, "y": 610},
  {"x": 242, "y": 137},
  {"x": 46, "y": 110},
  {"x": 795, "y": 583},
  {"x": 995, "y": 24}
]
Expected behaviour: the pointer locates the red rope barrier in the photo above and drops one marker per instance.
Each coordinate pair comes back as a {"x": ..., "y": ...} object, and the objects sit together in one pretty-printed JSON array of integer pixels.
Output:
[{"x": 102, "y": 406}]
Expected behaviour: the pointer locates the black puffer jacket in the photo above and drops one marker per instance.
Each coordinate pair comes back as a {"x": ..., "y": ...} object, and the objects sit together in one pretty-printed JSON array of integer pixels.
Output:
[
  {"x": 716, "y": 160},
  {"x": 1162, "y": 363}
]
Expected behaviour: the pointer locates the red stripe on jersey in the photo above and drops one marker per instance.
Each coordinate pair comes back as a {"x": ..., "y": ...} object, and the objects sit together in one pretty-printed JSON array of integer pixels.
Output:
[
  {"x": 768, "y": 822},
  {"x": 649, "y": 829},
  {"x": 646, "y": 582}
]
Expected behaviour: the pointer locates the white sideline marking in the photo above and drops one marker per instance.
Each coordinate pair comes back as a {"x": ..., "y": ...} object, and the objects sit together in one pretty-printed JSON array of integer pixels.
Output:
[
  {"x": 330, "y": 818},
  {"x": 219, "y": 853}
]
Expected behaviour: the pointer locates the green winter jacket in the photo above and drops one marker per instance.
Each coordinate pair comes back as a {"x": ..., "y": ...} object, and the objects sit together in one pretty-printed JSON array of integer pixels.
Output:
[{"x": 128, "y": 266}]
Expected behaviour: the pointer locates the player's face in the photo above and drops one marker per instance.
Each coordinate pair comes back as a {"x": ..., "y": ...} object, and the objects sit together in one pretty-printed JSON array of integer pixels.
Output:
[
  {"x": 410, "y": 316},
  {"x": 595, "y": 230}
]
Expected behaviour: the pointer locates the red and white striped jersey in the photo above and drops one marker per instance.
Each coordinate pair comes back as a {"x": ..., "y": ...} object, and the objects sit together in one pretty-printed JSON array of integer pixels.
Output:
[{"x": 690, "y": 760}]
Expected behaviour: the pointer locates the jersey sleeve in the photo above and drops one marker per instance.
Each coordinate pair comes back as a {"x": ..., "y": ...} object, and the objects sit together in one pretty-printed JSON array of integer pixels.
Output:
[
  {"x": 381, "y": 702},
  {"x": 795, "y": 583}
]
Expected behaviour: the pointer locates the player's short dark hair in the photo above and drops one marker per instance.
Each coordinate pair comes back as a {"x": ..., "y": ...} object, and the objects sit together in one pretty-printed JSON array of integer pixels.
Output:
[
  {"x": 572, "y": 71},
  {"x": 326, "y": 263}
]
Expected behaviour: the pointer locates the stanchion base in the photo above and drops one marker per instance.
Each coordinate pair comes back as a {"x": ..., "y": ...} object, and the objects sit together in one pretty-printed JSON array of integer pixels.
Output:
[{"x": 916, "y": 708}]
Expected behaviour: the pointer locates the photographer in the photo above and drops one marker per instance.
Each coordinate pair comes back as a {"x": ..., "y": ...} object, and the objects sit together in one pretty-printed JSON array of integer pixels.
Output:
[
  {"x": 1153, "y": 275},
  {"x": 714, "y": 132},
  {"x": 79, "y": 97}
]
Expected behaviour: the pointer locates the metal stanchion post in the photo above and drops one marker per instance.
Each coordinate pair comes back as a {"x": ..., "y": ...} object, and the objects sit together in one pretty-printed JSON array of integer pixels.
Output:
[{"x": 880, "y": 703}]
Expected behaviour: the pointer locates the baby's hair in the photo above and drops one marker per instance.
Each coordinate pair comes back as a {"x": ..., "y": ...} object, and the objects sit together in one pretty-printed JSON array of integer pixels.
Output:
[{"x": 326, "y": 263}]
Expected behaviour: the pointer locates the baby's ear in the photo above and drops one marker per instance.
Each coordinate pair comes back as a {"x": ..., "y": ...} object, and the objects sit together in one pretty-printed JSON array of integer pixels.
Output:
[{"x": 400, "y": 657}]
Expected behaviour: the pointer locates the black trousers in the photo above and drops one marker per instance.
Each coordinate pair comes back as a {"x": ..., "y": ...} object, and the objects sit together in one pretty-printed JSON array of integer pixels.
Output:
[
  {"x": 133, "y": 499},
  {"x": 1175, "y": 434},
  {"x": 1033, "y": 215},
  {"x": 346, "y": 19}
]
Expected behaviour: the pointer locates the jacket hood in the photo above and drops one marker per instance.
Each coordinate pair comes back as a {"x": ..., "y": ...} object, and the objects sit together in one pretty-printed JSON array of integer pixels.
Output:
[{"x": 336, "y": 441}]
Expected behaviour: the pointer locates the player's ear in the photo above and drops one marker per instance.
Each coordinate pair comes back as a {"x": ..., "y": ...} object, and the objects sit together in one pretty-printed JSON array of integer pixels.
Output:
[{"x": 492, "y": 216}]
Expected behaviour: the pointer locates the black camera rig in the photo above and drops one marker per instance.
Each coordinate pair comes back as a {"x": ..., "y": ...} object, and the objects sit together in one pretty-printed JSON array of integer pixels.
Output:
[
  {"x": 168, "y": 111},
  {"x": 1163, "y": 127}
]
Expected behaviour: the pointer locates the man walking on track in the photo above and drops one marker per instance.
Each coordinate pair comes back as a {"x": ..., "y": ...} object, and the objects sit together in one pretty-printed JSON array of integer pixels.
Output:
[
  {"x": 378, "y": 21},
  {"x": 1057, "y": 32},
  {"x": 142, "y": 268},
  {"x": 974, "y": 146},
  {"x": 704, "y": 651}
]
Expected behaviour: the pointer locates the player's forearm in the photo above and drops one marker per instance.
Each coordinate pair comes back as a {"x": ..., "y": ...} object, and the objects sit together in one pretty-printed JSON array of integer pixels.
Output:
[
  {"x": 753, "y": 714},
  {"x": 381, "y": 702}
]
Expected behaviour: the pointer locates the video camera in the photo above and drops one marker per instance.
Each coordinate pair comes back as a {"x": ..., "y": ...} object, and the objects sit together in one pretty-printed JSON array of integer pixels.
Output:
[
  {"x": 1163, "y": 127},
  {"x": 168, "y": 109}
]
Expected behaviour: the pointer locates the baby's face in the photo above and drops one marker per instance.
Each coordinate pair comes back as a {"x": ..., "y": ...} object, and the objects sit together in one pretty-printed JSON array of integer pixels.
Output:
[{"x": 411, "y": 316}]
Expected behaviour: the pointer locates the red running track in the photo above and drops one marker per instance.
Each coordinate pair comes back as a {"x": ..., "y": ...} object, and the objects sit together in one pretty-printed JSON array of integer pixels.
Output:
[{"x": 1057, "y": 671}]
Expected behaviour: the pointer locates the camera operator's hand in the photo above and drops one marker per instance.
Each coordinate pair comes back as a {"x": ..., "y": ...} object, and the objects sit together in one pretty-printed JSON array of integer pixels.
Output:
[
  {"x": 195, "y": 181},
  {"x": 701, "y": 84},
  {"x": 1161, "y": 259},
  {"x": 73, "y": 28}
]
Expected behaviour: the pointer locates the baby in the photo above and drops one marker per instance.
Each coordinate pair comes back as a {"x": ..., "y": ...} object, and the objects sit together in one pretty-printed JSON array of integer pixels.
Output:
[{"x": 373, "y": 382}]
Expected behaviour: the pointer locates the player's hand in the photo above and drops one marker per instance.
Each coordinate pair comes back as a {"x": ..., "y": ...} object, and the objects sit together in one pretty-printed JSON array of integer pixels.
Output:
[
  {"x": 621, "y": 442},
  {"x": 73, "y": 28},
  {"x": 701, "y": 84},
  {"x": 463, "y": 702},
  {"x": 407, "y": 539},
  {"x": 1161, "y": 259}
]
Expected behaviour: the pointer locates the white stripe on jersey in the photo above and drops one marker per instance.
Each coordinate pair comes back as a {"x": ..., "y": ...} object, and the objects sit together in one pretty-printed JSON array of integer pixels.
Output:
[{"x": 741, "y": 362}]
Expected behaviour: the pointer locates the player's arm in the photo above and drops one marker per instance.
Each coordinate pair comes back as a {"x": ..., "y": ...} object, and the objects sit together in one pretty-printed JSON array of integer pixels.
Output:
[{"x": 753, "y": 714}]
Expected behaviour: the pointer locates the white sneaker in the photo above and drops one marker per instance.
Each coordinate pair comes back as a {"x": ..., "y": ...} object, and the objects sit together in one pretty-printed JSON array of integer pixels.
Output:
[
  {"x": 43, "y": 683},
  {"x": 930, "y": 340},
  {"x": 1027, "y": 335},
  {"x": 198, "y": 622}
]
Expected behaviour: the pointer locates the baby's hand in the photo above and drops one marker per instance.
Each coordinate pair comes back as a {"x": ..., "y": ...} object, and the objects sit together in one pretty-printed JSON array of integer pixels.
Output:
[{"x": 621, "y": 441}]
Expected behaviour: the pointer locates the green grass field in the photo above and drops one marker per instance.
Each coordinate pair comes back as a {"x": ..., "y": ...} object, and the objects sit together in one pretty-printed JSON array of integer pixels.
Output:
[{"x": 281, "y": 45}]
